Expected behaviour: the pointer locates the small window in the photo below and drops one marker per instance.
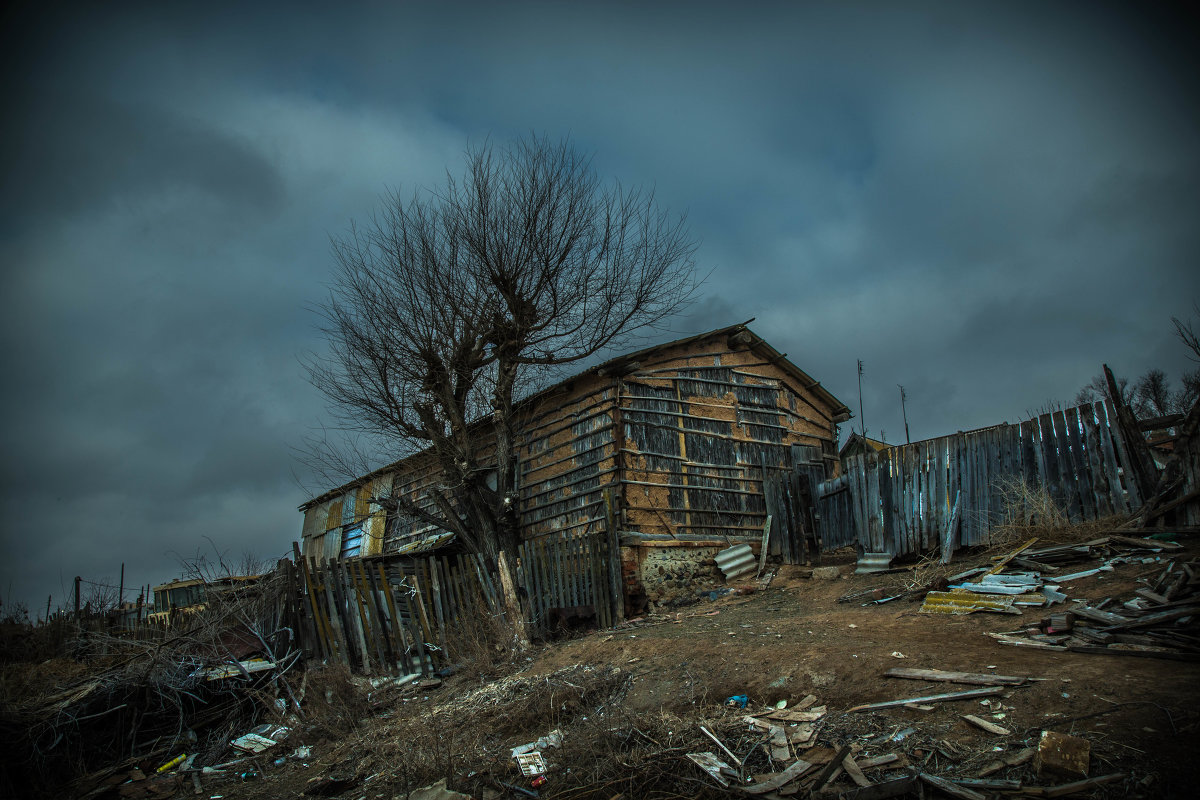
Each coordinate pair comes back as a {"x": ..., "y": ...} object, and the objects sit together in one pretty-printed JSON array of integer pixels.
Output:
[{"x": 352, "y": 538}]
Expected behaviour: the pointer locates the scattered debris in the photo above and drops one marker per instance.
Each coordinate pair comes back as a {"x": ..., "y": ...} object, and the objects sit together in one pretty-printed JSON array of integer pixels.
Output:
[
  {"x": 1062, "y": 756},
  {"x": 437, "y": 791},
  {"x": 782, "y": 779},
  {"x": 736, "y": 561},
  {"x": 552, "y": 739},
  {"x": 1008, "y": 760},
  {"x": 977, "y": 678},
  {"x": 873, "y": 562},
  {"x": 990, "y": 727},
  {"x": 713, "y": 766},
  {"x": 962, "y": 601},
  {"x": 261, "y": 738},
  {"x": 968, "y": 694},
  {"x": 531, "y": 764}
]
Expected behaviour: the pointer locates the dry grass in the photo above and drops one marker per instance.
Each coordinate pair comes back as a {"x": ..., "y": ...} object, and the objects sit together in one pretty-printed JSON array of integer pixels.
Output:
[
  {"x": 606, "y": 749},
  {"x": 929, "y": 572},
  {"x": 1031, "y": 511}
]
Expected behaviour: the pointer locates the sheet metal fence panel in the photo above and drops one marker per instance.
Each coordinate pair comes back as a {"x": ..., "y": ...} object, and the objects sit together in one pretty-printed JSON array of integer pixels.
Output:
[{"x": 899, "y": 500}]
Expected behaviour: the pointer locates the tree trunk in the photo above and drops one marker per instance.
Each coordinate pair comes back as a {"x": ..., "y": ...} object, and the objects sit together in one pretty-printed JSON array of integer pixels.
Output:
[
  {"x": 507, "y": 533},
  {"x": 512, "y": 603}
]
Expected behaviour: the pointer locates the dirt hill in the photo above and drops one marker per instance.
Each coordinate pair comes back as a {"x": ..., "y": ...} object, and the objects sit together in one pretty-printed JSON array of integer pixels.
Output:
[{"x": 630, "y": 702}]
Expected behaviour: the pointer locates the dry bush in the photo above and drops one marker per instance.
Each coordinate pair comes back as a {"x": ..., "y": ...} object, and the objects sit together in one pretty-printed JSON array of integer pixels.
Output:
[
  {"x": 929, "y": 572},
  {"x": 124, "y": 699},
  {"x": 1030, "y": 511},
  {"x": 333, "y": 701},
  {"x": 480, "y": 643}
]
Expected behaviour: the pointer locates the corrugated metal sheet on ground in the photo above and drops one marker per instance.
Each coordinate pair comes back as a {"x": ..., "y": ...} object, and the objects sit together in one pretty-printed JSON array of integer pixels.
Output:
[
  {"x": 965, "y": 603},
  {"x": 873, "y": 562},
  {"x": 736, "y": 561}
]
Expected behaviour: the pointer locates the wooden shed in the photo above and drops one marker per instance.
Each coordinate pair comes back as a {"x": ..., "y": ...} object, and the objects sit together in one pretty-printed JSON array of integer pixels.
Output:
[{"x": 675, "y": 445}]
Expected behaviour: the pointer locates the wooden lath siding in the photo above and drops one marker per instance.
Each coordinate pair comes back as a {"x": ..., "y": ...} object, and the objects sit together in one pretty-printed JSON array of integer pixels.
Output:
[
  {"x": 569, "y": 572},
  {"x": 900, "y": 499},
  {"x": 697, "y": 438},
  {"x": 388, "y": 616},
  {"x": 566, "y": 457}
]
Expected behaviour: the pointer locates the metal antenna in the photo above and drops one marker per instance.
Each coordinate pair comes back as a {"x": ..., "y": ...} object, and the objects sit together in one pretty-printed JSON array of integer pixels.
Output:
[{"x": 862, "y": 423}]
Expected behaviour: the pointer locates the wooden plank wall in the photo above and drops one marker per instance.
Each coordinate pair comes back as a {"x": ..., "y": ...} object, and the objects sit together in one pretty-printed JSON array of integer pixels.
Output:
[
  {"x": 900, "y": 499},
  {"x": 837, "y": 513},
  {"x": 388, "y": 616},
  {"x": 790, "y": 496},
  {"x": 699, "y": 440},
  {"x": 569, "y": 572},
  {"x": 567, "y": 457}
]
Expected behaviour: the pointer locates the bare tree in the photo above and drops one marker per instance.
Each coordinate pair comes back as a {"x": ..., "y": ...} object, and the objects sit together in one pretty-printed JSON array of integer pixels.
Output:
[
  {"x": 1152, "y": 395},
  {"x": 1096, "y": 390},
  {"x": 446, "y": 306},
  {"x": 1186, "y": 332}
]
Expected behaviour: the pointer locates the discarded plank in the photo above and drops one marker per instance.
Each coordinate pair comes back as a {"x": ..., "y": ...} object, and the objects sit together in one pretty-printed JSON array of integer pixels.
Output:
[
  {"x": 969, "y": 693},
  {"x": 788, "y": 715},
  {"x": 990, "y": 727},
  {"x": 854, "y": 771},
  {"x": 1096, "y": 615},
  {"x": 805, "y": 703},
  {"x": 721, "y": 745},
  {"x": 1157, "y": 618},
  {"x": 951, "y": 789},
  {"x": 1078, "y": 786},
  {"x": 710, "y": 764},
  {"x": 977, "y": 678},
  {"x": 826, "y": 774},
  {"x": 1017, "y": 641},
  {"x": 882, "y": 791},
  {"x": 790, "y": 774},
  {"x": 879, "y": 761},
  {"x": 984, "y": 783},
  {"x": 1007, "y": 760},
  {"x": 1000, "y": 564},
  {"x": 1129, "y": 650},
  {"x": 1150, "y": 544}
]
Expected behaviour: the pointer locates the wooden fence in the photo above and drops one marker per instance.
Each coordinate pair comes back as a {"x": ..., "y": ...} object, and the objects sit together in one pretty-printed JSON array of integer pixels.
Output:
[
  {"x": 400, "y": 615},
  {"x": 571, "y": 577},
  {"x": 388, "y": 615},
  {"x": 790, "y": 497},
  {"x": 901, "y": 500}
]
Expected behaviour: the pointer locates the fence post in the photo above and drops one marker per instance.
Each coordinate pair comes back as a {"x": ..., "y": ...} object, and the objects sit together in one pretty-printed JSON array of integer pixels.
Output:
[{"x": 615, "y": 575}]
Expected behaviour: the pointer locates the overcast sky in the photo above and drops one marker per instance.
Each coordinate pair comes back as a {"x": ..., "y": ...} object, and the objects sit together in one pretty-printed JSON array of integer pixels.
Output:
[{"x": 983, "y": 201}]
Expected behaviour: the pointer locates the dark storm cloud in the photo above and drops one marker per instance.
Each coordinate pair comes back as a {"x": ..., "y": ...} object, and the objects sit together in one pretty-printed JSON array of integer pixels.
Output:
[
  {"x": 76, "y": 154},
  {"x": 982, "y": 203}
]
